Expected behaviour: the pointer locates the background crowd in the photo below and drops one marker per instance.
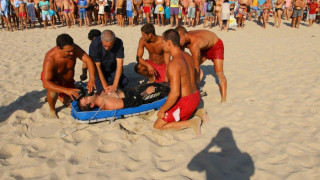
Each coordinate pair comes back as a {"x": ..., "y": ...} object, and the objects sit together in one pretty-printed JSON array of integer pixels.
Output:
[{"x": 21, "y": 14}]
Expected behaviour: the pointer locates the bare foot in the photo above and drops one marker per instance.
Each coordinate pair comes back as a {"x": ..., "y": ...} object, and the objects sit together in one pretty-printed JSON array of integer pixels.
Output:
[
  {"x": 196, "y": 125},
  {"x": 53, "y": 113},
  {"x": 202, "y": 114}
]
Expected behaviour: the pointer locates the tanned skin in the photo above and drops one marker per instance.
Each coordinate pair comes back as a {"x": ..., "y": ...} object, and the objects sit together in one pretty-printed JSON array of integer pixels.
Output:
[{"x": 59, "y": 64}]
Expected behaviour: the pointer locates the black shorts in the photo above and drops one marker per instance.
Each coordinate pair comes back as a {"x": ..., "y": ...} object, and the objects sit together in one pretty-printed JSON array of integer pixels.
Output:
[
  {"x": 133, "y": 98},
  {"x": 119, "y": 11},
  {"x": 107, "y": 9},
  {"x": 89, "y": 8},
  {"x": 248, "y": 9}
]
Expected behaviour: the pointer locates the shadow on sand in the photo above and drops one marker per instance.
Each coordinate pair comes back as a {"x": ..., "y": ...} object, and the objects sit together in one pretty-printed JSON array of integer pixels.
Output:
[
  {"x": 29, "y": 102},
  {"x": 228, "y": 163},
  {"x": 208, "y": 70}
]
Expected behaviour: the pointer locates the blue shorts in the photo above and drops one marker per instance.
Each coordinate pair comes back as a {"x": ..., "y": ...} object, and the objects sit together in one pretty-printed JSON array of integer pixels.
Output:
[
  {"x": 255, "y": 8},
  {"x": 167, "y": 12},
  {"x": 129, "y": 13},
  {"x": 52, "y": 12},
  {"x": 82, "y": 15}
]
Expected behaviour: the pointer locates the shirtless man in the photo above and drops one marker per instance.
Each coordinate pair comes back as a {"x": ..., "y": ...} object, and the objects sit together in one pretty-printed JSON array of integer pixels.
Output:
[
  {"x": 128, "y": 97},
  {"x": 58, "y": 5},
  {"x": 278, "y": 12},
  {"x": 191, "y": 12},
  {"x": 299, "y": 5},
  {"x": 155, "y": 68},
  {"x": 147, "y": 8},
  {"x": 184, "y": 97},
  {"x": 66, "y": 7},
  {"x": 204, "y": 45},
  {"x": 58, "y": 72},
  {"x": 119, "y": 11}
]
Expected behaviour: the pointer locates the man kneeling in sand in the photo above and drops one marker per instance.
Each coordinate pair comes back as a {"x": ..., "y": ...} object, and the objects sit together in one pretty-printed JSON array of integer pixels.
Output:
[
  {"x": 58, "y": 71},
  {"x": 129, "y": 97},
  {"x": 184, "y": 97}
]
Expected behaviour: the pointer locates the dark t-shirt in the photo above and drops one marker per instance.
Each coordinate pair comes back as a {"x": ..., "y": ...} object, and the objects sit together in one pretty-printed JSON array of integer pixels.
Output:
[
  {"x": 107, "y": 58},
  {"x": 210, "y": 5}
]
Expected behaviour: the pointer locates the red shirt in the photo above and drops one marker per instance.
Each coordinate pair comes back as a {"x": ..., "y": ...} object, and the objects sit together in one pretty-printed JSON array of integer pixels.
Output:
[{"x": 313, "y": 7}]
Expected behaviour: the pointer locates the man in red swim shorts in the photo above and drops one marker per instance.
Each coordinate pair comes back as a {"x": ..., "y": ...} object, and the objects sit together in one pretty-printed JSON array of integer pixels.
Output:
[
  {"x": 184, "y": 97},
  {"x": 204, "y": 45},
  {"x": 58, "y": 71},
  {"x": 155, "y": 68},
  {"x": 147, "y": 8}
]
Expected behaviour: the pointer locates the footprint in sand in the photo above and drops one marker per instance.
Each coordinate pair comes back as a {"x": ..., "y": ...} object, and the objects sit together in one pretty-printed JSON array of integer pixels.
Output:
[
  {"x": 108, "y": 148},
  {"x": 9, "y": 150}
]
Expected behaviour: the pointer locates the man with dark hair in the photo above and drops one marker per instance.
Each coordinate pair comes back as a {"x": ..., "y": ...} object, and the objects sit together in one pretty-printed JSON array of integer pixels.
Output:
[
  {"x": 107, "y": 52},
  {"x": 155, "y": 68},
  {"x": 58, "y": 71},
  {"x": 128, "y": 97},
  {"x": 184, "y": 97},
  {"x": 93, "y": 33},
  {"x": 204, "y": 45}
]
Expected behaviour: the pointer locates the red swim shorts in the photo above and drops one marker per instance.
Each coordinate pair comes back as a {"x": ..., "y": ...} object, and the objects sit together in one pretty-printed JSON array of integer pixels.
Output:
[
  {"x": 183, "y": 109},
  {"x": 161, "y": 71},
  {"x": 215, "y": 52},
  {"x": 21, "y": 14},
  {"x": 184, "y": 11},
  {"x": 146, "y": 9},
  {"x": 65, "y": 84}
]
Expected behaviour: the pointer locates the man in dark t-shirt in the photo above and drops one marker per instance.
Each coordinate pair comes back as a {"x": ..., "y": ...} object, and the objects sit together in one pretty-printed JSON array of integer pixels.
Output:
[{"x": 107, "y": 52}]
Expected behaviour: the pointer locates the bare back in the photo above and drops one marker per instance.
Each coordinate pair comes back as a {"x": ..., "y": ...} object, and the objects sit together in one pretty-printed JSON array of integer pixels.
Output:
[
  {"x": 181, "y": 74},
  {"x": 202, "y": 39}
]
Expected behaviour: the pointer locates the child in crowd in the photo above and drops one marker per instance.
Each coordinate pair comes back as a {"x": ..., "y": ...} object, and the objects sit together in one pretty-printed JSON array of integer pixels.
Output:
[
  {"x": 82, "y": 5},
  {"x": 31, "y": 13},
  {"x": 52, "y": 12},
  {"x": 44, "y": 5},
  {"x": 191, "y": 12},
  {"x": 22, "y": 13},
  {"x": 101, "y": 5}
]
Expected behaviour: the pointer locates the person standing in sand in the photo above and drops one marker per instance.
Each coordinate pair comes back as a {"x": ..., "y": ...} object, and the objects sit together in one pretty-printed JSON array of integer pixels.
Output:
[
  {"x": 66, "y": 6},
  {"x": 58, "y": 72},
  {"x": 184, "y": 97},
  {"x": 147, "y": 8},
  {"x": 278, "y": 12},
  {"x": 58, "y": 4},
  {"x": 155, "y": 68},
  {"x": 22, "y": 13},
  {"x": 204, "y": 45},
  {"x": 299, "y": 5}
]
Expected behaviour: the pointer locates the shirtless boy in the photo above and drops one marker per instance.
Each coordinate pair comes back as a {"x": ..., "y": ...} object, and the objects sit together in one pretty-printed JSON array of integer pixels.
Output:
[
  {"x": 191, "y": 12},
  {"x": 147, "y": 8},
  {"x": 184, "y": 97},
  {"x": 58, "y": 72},
  {"x": 22, "y": 13},
  {"x": 155, "y": 68},
  {"x": 299, "y": 5},
  {"x": 204, "y": 45}
]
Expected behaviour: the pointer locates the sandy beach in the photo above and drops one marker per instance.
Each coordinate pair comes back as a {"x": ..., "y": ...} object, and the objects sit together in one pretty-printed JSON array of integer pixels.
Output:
[{"x": 268, "y": 129}]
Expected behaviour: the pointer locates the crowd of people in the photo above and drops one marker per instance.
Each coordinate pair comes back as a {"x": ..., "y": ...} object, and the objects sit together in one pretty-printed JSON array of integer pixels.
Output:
[
  {"x": 170, "y": 71},
  {"x": 17, "y": 14}
]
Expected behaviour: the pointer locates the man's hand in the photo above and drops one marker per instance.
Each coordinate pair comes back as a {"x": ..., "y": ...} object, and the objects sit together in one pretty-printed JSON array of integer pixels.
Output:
[
  {"x": 111, "y": 89},
  {"x": 151, "y": 70},
  {"x": 150, "y": 90},
  {"x": 73, "y": 93},
  {"x": 161, "y": 114},
  {"x": 91, "y": 86},
  {"x": 83, "y": 77}
]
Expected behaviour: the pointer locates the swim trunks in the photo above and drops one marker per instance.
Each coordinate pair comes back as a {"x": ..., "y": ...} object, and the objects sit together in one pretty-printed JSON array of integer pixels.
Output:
[
  {"x": 65, "y": 84},
  {"x": 21, "y": 14},
  {"x": 215, "y": 52},
  {"x": 119, "y": 11},
  {"x": 146, "y": 9},
  {"x": 66, "y": 10},
  {"x": 161, "y": 71},
  {"x": 183, "y": 108}
]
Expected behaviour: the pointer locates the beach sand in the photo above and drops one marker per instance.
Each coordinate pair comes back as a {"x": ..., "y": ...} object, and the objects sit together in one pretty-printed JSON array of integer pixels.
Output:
[{"x": 268, "y": 129}]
